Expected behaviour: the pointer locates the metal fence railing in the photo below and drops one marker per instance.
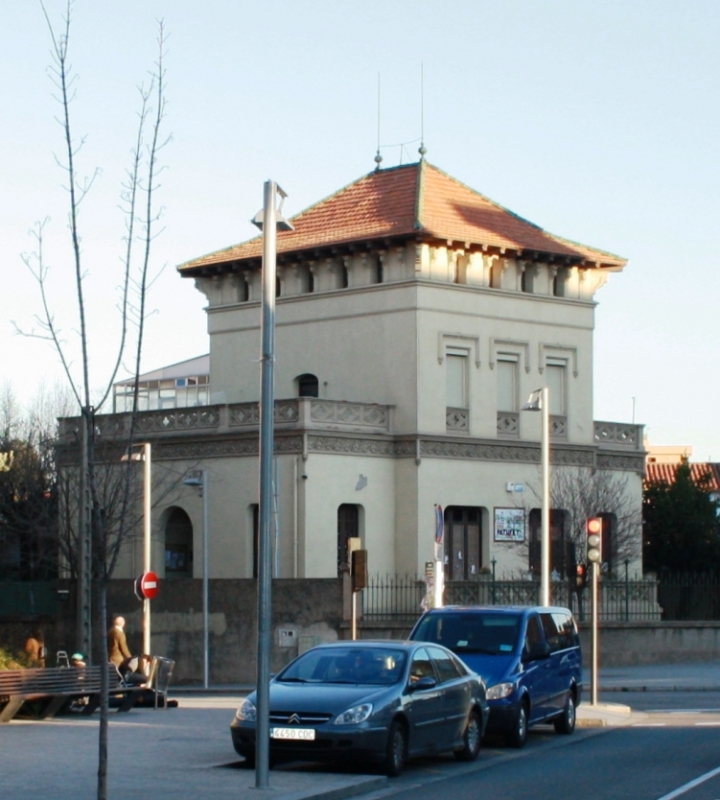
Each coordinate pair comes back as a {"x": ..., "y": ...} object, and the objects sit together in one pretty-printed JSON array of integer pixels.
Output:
[{"x": 389, "y": 597}]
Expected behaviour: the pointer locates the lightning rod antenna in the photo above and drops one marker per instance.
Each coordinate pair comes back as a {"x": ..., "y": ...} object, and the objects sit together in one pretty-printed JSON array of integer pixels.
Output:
[
  {"x": 378, "y": 157},
  {"x": 422, "y": 150}
]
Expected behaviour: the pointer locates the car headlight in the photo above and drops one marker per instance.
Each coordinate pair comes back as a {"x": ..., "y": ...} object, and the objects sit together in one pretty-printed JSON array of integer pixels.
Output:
[
  {"x": 247, "y": 712},
  {"x": 354, "y": 715},
  {"x": 499, "y": 691}
]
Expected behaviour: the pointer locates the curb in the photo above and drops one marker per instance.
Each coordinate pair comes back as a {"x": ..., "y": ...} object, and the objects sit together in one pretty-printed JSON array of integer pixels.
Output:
[{"x": 341, "y": 792}]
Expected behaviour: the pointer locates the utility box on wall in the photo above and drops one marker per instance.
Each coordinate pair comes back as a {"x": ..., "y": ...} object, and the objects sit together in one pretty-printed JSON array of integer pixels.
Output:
[{"x": 287, "y": 637}]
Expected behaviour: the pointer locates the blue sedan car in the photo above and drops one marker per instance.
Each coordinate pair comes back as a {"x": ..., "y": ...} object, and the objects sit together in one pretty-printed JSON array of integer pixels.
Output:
[
  {"x": 529, "y": 658},
  {"x": 377, "y": 701}
]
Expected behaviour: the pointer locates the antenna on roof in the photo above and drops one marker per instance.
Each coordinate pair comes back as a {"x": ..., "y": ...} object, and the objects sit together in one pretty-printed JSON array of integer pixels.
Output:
[
  {"x": 378, "y": 157},
  {"x": 422, "y": 150}
]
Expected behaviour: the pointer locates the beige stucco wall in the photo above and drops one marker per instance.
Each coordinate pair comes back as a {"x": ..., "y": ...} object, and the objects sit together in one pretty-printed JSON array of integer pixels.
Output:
[{"x": 386, "y": 344}]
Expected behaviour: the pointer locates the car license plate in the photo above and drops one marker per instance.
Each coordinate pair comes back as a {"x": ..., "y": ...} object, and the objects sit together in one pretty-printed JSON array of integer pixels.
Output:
[{"x": 307, "y": 734}]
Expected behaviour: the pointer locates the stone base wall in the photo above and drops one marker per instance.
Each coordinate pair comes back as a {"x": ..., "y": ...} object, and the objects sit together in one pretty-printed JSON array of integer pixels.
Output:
[{"x": 307, "y": 612}]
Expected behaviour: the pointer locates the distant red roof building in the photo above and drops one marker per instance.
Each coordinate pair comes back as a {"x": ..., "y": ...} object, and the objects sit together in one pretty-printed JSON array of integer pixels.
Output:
[
  {"x": 415, "y": 200},
  {"x": 665, "y": 473}
]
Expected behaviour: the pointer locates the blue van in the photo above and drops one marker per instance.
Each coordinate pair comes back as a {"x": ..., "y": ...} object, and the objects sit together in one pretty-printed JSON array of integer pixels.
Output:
[{"x": 529, "y": 659}]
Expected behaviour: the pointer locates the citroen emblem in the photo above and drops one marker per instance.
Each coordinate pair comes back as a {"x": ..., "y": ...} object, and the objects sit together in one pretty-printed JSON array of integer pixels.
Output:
[{"x": 294, "y": 719}]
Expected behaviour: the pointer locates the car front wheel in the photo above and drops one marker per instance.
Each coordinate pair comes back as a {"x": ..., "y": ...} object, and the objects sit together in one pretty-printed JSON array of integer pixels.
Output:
[
  {"x": 518, "y": 735},
  {"x": 565, "y": 722},
  {"x": 396, "y": 751},
  {"x": 471, "y": 739}
]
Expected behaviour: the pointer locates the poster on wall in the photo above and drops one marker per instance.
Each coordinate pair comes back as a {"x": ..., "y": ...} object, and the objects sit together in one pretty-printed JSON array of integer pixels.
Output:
[{"x": 509, "y": 525}]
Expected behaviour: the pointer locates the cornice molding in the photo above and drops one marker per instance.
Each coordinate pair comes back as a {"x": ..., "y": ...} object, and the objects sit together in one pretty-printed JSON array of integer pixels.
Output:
[{"x": 304, "y": 443}]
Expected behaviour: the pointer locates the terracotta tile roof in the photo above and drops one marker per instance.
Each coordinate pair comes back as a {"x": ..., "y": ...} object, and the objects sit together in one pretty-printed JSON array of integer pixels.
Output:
[
  {"x": 665, "y": 473},
  {"x": 412, "y": 200}
]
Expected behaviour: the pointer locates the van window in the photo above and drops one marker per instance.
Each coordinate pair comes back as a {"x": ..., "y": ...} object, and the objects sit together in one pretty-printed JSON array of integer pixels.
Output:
[
  {"x": 533, "y": 634},
  {"x": 560, "y": 630},
  {"x": 485, "y": 632}
]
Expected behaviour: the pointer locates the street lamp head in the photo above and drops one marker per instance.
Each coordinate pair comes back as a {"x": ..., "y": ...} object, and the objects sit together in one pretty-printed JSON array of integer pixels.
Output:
[
  {"x": 282, "y": 224},
  {"x": 193, "y": 480},
  {"x": 534, "y": 401}
]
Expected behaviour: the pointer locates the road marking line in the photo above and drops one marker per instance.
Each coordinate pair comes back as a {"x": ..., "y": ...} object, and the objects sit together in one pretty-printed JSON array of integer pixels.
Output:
[
  {"x": 691, "y": 785},
  {"x": 707, "y": 724},
  {"x": 650, "y": 725}
]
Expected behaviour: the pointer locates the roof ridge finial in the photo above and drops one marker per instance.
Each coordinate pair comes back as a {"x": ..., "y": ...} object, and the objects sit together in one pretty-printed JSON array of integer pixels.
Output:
[
  {"x": 378, "y": 157},
  {"x": 422, "y": 149}
]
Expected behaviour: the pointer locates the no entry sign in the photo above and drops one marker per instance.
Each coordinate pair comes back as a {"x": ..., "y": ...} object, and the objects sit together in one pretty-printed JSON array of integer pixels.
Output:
[{"x": 146, "y": 586}]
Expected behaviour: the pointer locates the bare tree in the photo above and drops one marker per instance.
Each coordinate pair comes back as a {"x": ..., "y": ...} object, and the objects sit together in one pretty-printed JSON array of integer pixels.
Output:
[
  {"x": 101, "y": 485},
  {"x": 578, "y": 493}
]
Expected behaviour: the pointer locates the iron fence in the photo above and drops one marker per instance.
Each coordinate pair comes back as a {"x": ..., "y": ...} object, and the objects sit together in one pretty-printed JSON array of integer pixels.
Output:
[
  {"x": 689, "y": 595},
  {"x": 390, "y": 597}
]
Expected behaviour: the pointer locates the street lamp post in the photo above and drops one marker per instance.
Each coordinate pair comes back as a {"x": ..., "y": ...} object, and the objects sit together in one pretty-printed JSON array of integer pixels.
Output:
[
  {"x": 146, "y": 458},
  {"x": 201, "y": 481},
  {"x": 269, "y": 220},
  {"x": 539, "y": 400}
]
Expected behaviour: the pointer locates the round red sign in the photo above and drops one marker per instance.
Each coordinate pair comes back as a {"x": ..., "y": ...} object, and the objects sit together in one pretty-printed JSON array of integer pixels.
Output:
[{"x": 147, "y": 585}]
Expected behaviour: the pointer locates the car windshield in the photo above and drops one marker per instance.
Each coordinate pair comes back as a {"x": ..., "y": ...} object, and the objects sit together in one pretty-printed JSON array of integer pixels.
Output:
[
  {"x": 381, "y": 666},
  {"x": 477, "y": 632}
]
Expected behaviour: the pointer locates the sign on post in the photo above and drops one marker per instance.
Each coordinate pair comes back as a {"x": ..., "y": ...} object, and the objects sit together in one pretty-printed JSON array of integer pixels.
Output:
[{"x": 146, "y": 586}]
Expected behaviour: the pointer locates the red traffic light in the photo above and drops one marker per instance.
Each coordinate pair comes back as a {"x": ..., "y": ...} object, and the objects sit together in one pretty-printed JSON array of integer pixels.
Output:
[
  {"x": 593, "y": 526},
  {"x": 580, "y": 576}
]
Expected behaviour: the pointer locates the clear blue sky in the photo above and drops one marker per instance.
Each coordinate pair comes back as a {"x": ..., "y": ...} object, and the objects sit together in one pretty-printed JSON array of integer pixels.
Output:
[{"x": 597, "y": 120}]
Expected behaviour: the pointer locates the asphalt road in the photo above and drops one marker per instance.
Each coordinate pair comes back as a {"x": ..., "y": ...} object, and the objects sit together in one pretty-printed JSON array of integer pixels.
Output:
[{"x": 673, "y": 740}]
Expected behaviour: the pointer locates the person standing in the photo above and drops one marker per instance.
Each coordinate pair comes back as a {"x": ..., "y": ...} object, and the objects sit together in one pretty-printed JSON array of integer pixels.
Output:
[
  {"x": 35, "y": 648},
  {"x": 118, "y": 652}
]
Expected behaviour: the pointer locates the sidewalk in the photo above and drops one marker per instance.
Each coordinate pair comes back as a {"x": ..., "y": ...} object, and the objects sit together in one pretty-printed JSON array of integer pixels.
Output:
[
  {"x": 699, "y": 676},
  {"x": 688, "y": 677}
]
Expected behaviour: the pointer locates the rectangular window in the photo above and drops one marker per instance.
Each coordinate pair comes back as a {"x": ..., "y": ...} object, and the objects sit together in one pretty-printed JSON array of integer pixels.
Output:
[
  {"x": 456, "y": 378},
  {"x": 507, "y": 384},
  {"x": 555, "y": 371}
]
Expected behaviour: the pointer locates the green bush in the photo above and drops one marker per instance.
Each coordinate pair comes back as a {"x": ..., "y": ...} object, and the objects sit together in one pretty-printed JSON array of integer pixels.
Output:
[{"x": 12, "y": 659}]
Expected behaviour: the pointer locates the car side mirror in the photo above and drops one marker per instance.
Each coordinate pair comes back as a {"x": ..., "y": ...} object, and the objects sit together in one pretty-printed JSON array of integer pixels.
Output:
[
  {"x": 423, "y": 683},
  {"x": 537, "y": 652}
]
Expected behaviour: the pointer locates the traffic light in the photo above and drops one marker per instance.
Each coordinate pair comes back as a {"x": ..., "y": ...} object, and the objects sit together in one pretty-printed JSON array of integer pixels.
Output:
[
  {"x": 581, "y": 576},
  {"x": 358, "y": 569},
  {"x": 593, "y": 528}
]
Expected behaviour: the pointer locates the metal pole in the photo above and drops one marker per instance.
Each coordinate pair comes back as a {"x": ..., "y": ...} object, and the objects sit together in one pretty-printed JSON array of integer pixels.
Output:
[
  {"x": 206, "y": 568},
  {"x": 267, "y": 405},
  {"x": 354, "y": 615},
  {"x": 627, "y": 591},
  {"x": 594, "y": 639},
  {"x": 545, "y": 512},
  {"x": 439, "y": 584},
  {"x": 147, "y": 540},
  {"x": 84, "y": 584}
]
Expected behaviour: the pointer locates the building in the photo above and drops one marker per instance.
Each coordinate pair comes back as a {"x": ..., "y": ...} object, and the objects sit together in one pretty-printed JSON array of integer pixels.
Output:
[{"x": 414, "y": 317}]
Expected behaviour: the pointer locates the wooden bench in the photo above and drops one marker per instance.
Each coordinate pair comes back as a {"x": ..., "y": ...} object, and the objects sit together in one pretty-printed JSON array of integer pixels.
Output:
[{"x": 58, "y": 685}]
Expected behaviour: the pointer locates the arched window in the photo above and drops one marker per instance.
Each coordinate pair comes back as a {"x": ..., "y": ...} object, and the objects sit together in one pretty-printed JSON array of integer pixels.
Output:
[
  {"x": 348, "y": 526},
  {"x": 307, "y": 385},
  {"x": 178, "y": 545},
  {"x": 526, "y": 280}
]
